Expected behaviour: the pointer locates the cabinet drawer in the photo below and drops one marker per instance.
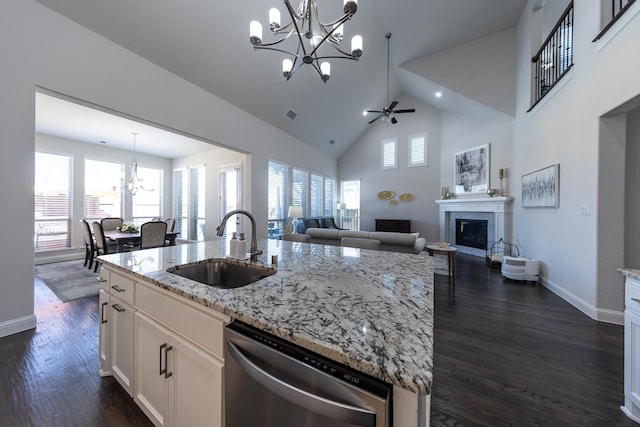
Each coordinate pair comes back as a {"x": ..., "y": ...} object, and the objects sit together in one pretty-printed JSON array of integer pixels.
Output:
[
  {"x": 121, "y": 287},
  {"x": 103, "y": 278},
  {"x": 632, "y": 295},
  {"x": 190, "y": 322}
]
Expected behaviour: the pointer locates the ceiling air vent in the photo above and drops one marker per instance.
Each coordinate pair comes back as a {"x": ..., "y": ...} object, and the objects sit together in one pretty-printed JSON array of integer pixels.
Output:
[
  {"x": 292, "y": 114},
  {"x": 332, "y": 141}
]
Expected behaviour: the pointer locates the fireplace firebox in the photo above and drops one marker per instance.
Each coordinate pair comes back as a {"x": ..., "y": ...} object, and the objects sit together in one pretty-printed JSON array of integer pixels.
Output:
[{"x": 471, "y": 233}]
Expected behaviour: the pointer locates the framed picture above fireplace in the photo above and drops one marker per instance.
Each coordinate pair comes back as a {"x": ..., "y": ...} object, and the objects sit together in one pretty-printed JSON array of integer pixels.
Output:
[
  {"x": 541, "y": 189},
  {"x": 471, "y": 170}
]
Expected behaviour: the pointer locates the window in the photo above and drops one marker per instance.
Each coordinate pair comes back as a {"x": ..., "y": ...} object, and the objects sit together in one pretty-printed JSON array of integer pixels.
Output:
[
  {"x": 230, "y": 195},
  {"x": 329, "y": 196},
  {"x": 189, "y": 199},
  {"x": 53, "y": 198},
  {"x": 390, "y": 153},
  {"x": 278, "y": 203},
  {"x": 316, "y": 195},
  {"x": 418, "y": 150},
  {"x": 299, "y": 187},
  {"x": 147, "y": 203},
  {"x": 102, "y": 190},
  {"x": 350, "y": 206}
]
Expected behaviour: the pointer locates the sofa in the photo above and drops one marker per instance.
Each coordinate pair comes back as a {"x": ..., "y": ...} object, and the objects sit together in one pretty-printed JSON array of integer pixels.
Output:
[
  {"x": 318, "y": 222},
  {"x": 393, "y": 242}
]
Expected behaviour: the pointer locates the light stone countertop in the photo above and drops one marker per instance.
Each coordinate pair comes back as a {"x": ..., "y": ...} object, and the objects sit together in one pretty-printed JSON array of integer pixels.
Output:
[
  {"x": 370, "y": 310},
  {"x": 630, "y": 272}
]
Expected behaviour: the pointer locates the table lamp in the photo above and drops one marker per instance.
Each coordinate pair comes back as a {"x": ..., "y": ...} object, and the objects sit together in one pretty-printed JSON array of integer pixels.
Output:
[{"x": 295, "y": 212}]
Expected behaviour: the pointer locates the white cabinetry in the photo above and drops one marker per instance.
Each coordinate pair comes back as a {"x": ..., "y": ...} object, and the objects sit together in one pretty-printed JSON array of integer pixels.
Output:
[
  {"x": 165, "y": 351},
  {"x": 177, "y": 384},
  {"x": 632, "y": 349}
]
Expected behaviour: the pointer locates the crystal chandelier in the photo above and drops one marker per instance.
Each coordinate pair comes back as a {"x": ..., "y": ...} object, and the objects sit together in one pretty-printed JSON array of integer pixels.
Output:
[
  {"x": 311, "y": 33},
  {"x": 133, "y": 183}
]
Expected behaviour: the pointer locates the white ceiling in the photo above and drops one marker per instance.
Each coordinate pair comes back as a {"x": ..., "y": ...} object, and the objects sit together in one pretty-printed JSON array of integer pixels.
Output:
[{"x": 208, "y": 45}]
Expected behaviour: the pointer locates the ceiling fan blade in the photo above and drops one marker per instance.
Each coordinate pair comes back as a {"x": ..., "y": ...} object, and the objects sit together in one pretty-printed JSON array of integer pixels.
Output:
[
  {"x": 408, "y": 110},
  {"x": 393, "y": 105},
  {"x": 379, "y": 117},
  {"x": 375, "y": 111},
  {"x": 393, "y": 120}
]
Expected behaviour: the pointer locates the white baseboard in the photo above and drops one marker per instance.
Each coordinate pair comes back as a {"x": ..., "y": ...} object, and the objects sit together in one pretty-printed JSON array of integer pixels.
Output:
[
  {"x": 599, "y": 314},
  {"x": 20, "y": 324}
]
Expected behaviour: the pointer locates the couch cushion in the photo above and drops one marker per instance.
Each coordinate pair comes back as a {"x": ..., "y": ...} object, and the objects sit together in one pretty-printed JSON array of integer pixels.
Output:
[
  {"x": 356, "y": 242},
  {"x": 323, "y": 233},
  {"x": 389, "y": 238},
  {"x": 353, "y": 233}
]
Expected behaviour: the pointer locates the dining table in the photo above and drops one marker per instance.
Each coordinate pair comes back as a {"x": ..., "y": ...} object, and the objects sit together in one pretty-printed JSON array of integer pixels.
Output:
[{"x": 122, "y": 238}]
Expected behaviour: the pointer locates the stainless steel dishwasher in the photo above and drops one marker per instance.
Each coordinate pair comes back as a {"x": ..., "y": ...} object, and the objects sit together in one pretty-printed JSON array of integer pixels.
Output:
[{"x": 270, "y": 382}]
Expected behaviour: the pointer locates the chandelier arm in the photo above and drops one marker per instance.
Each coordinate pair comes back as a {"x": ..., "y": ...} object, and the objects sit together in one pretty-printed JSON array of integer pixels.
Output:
[
  {"x": 295, "y": 68},
  {"x": 275, "y": 49},
  {"x": 331, "y": 42},
  {"x": 295, "y": 24},
  {"x": 346, "y": 56}
]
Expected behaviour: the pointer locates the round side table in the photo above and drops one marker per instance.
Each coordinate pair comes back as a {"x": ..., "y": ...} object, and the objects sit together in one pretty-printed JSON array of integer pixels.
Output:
[{"x": 450, "y": 252}]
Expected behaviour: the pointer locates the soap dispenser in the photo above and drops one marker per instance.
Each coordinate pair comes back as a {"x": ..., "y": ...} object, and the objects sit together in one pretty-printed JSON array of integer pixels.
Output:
[
  {"x": 242, "y": 247},
  {"x": 233, "y": 246}
]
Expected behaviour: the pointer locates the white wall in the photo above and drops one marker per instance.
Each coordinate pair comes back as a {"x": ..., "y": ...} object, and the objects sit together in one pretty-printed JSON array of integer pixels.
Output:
[
  {"x": 42, "y": 48},
  {"x": 565, "y": 129},
  {"x": 363, "y": 161},
  {"x": 632, "y": 191}
]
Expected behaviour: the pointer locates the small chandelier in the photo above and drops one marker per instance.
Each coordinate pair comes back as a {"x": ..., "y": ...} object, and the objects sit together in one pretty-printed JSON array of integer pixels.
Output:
[
  {"x": 133, "y": 184},
  {"x": 311, "y": 33}
]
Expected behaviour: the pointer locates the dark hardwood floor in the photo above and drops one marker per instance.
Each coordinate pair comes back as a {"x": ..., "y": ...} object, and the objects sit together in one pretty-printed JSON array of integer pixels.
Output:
[{"x": 506, "y": 354}]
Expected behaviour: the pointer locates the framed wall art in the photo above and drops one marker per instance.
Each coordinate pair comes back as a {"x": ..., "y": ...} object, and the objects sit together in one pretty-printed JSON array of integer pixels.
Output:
[
  {"x": 471, "y": 170},
  {"x": 541, "y": 189}
]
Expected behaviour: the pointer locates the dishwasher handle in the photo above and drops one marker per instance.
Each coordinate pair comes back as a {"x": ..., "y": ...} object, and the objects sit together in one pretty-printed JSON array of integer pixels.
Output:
[{"x": 310, "y": 401}]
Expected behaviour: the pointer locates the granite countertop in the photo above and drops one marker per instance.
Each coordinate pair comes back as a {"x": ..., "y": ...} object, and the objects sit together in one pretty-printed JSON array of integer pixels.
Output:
[
  {"x": 630, "y": 272},
  {"x": 370, "y": 310}
]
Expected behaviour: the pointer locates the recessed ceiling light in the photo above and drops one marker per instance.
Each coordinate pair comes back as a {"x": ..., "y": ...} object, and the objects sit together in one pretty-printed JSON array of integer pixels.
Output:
[
  {"x": 364, "y": 113},
  {"x": 438, "y": 94}
]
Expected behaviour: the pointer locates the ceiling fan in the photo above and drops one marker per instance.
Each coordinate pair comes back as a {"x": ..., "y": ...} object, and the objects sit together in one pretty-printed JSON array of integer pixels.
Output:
[{"x": 388, "y": 112}]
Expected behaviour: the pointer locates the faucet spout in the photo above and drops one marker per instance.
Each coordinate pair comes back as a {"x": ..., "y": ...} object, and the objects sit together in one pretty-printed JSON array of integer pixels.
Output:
[{"x": 254, "y": 243}]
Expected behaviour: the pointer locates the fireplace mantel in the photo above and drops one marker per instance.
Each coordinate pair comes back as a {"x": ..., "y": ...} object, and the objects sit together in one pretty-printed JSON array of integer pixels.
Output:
[{"x": 501, "y": 207}]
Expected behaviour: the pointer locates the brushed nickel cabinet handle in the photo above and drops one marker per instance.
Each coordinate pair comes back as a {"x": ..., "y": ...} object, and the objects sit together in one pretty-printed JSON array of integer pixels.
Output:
[
  {"x": 103, "y": 318},
  {"x": 101, "y": 279},
  {"x": 118, "y": 308},
  {"x": 118, "y": 288},
  {"x": 162, "y": 371},
  {"x": 167, "y": 374},
  {"x": 635, "y": 299}
]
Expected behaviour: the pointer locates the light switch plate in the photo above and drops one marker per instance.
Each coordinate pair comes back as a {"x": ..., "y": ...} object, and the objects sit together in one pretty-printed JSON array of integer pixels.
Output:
[{"x": 585, "y": 209}]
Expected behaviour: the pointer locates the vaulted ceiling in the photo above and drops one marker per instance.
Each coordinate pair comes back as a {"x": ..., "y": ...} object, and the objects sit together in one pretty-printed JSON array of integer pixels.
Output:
[{"x": 206, "y": 42}]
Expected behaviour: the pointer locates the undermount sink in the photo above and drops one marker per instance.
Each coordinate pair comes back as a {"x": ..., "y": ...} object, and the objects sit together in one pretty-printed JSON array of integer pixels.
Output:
[{"x": 222, "y": 273}]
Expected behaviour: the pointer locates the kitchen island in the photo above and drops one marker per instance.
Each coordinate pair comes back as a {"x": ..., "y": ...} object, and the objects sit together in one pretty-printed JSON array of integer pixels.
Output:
[{"x": 371, "y": 311}]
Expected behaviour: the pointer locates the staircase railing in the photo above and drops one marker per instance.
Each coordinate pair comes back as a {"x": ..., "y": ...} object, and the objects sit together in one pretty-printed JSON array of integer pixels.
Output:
[
  {"x": 617, "y": 9},
  {"x": 555, "y": 57}
]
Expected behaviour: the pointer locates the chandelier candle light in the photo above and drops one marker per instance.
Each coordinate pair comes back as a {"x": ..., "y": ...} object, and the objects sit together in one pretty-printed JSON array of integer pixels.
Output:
[
  {"x": 133, "y": 184},
  {"x": 311, "y": 33}
]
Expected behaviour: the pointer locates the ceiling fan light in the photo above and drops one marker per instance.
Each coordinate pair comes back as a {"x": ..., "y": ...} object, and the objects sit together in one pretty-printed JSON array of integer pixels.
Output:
[
  {"x": 356, "y": 46},
  {"x": 274, "y": 19},
  {"x": 325, "y": 71},
  {"x": 255, "y": 33},
  {"x": 350, "y": 6}
]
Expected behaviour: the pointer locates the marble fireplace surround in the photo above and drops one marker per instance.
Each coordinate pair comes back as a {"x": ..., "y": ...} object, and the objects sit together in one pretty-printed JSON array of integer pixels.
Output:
[{"x": 496, "y": 210}]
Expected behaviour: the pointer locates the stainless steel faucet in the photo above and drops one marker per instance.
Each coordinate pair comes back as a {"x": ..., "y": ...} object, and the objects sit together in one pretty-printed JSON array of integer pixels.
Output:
[{"x": 254, "y": 243}]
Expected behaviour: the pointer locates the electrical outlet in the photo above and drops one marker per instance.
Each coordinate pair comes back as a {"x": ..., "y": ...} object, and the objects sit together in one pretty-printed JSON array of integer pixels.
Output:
[{"x": 585, "y": 209}]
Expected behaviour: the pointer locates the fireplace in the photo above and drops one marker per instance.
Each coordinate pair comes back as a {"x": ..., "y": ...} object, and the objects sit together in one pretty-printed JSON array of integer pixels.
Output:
[{"x": 471, "y": 233}]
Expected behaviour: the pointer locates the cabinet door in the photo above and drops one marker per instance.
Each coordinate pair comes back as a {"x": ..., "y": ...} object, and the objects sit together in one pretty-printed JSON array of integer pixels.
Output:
[
  {"x": 632, "y": 357},
  {"x": 103, "y": 343},
  {"x": 196, "y": 385},
  {"x": 151, "y": 386},
  {"x": 121, "y": 343}
]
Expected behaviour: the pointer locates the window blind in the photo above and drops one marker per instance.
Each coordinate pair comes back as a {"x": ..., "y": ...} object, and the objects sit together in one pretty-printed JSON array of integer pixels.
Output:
[
  {"x": 102, "y": 190},
  {"x": 417, "y": 150},
  {"x": 389, "y": 154}
]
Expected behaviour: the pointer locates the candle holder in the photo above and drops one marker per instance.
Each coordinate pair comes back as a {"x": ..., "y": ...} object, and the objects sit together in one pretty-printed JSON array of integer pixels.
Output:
[{"x": 501, "y": 191}]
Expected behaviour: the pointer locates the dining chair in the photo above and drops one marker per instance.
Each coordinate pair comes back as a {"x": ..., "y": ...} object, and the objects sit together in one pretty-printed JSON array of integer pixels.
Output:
[
  {"x": 89, "y": 244},
  {"x": 171, "y": 225},
  {"x": 111, "y": 223},
  {"x": 153, "y": 234},
  {"x": 101, "y": 243}
]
